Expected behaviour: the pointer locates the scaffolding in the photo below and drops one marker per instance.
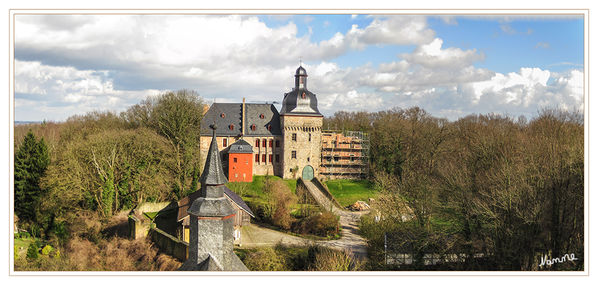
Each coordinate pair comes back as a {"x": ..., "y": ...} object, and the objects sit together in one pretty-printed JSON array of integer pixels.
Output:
[{"x": 345, "y": 155}]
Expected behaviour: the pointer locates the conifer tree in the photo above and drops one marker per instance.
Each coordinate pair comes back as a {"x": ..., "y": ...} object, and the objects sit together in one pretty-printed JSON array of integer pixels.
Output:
[{"x": 31, "y": 161}]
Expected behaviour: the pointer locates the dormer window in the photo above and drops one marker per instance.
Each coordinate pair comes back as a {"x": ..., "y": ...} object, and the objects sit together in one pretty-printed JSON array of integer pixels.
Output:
[
  {"x": 262, "y": 116},
  {"x": 253, "y": 127},
  {"x": 231, "y": 127},
  {"x": 269, "y": 127},
  {"x": 222, "y": 115},
  {"x": 303, "y": 95}
]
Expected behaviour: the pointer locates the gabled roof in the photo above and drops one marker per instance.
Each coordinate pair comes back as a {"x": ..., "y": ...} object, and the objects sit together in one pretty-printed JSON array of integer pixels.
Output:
[
  {"x": 265, "y": 117},
  {"x": 186, "y": 202}
]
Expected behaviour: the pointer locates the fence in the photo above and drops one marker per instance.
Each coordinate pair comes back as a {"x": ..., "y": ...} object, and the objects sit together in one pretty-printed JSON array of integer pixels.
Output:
[{"x": 405, "y": 255}]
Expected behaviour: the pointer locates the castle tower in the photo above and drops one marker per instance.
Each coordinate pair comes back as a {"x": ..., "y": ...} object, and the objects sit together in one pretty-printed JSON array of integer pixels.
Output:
[
  {"x": 211, "y": 221},
  {"x": 301, "y": 124}
]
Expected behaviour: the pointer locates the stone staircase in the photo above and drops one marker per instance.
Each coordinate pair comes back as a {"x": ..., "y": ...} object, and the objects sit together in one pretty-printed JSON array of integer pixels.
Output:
[{"x": 320, "y": 197}]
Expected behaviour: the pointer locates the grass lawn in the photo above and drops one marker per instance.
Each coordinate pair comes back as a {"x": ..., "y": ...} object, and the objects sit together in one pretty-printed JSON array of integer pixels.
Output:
[
  {"x": 21, "y": 245},
  {"x": 347, "y": 192},
  {"x": 255, "y": 189}
]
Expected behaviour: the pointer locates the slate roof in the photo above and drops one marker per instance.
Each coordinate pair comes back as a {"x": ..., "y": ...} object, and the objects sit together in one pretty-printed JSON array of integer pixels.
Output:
[
  {"x": 265, "y": 117},
  {"x": 238, "y": 200},
  {"x": 294, "y": 103},
  {"x": 300, "y": 101},
  {"x": 186, "y": 202},
  {"x": 213, "y": 174},
  {"x": 207, "y": 262},
  {"x": 240, "y": 146}
]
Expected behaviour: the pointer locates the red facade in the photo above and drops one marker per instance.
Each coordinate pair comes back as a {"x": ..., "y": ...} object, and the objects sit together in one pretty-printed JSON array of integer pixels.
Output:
[{"x": 240, "y": 167}]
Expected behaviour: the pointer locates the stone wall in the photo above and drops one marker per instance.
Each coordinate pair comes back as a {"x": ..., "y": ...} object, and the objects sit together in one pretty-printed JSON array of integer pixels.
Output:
[
  {"x": 169, "y": 244},
  {"x": 308, "y": 131},
  {"x": 138, "y": 226},
  {"x": 267, "y": 167}
]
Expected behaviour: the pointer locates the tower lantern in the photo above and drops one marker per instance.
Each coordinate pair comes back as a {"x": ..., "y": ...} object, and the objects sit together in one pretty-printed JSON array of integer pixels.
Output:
[{"x": 300, "y": 78}]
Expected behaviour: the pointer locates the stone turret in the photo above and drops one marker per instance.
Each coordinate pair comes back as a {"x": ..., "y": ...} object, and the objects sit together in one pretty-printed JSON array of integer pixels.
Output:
[
  {"x": 211, "y": 221},
  {"x": 301, "y": 125}
]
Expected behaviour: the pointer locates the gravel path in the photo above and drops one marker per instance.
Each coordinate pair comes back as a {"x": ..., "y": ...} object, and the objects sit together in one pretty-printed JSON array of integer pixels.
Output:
[{"x": 253, "y": 235}]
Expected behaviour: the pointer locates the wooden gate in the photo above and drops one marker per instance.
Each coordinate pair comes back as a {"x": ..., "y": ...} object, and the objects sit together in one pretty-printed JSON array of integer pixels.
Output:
[{"x": 308, "y": 173}]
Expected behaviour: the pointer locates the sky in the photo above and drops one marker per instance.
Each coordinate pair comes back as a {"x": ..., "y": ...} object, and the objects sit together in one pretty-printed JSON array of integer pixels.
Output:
[{"x": 449, "y": 65}]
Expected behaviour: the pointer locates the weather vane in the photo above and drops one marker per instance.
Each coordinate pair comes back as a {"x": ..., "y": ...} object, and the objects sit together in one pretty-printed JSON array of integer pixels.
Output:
[{"x": 300, "y": 62}]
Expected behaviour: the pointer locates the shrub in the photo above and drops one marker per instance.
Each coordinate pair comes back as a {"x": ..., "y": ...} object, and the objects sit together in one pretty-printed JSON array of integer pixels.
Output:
[
  {"x": 321, "y": 224},
  {"x": 327, "y": 259},
  {"x": 265, "y": 259},
  {"x": 280, "y": 199},
  {"x": 83, "y": 254},
  {"x": 47, "y": 249},
  {"x": 33, "y": 251}
]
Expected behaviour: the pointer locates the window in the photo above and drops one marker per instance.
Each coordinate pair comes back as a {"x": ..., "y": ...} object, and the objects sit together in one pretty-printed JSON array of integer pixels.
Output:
[
  {"x": 224, "y": 142},
  {"x": 309, "y": 137},
  {"x": 253, "y": 127},
  {"x": 269, "y": 127},
  {"x": 270, "y": 143},
  {"x": 277, "y": 143},
  {"x": 303, "y": 95},
  {"x": 270, "y": 158},
  {"x": 257, "y": 142},
  {"x": 263, "y": 158},
  {"x": 257, "y": 157},
  {"x": 277, "y": 158},
  {"x": 231, "y": 127},
  {"x": 222, "y": 115},
  {"x": 235, "y": 160},
  {"x": 308, "y": 159},
  {"x": 264, "y": 142},
  {"x": 294, "y": 154},
  {"x": 294, "y": 137},
  {"x": 262, "y": 116}
]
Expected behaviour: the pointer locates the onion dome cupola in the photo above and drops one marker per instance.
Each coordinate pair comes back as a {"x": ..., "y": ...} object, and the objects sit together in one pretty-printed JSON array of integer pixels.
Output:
[{"x": 300, "y": 101}]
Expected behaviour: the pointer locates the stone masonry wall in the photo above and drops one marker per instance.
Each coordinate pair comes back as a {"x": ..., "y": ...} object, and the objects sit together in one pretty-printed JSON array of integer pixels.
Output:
[{"x": 307, "y": 145}]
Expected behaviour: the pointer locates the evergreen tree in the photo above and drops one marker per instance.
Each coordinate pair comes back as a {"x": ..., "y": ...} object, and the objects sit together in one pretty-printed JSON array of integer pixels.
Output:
[{"x": 31, "y": 161}]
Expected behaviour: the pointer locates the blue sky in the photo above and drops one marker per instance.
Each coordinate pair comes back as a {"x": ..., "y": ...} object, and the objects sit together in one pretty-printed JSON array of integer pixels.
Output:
[{"x": 451, "y": 66}]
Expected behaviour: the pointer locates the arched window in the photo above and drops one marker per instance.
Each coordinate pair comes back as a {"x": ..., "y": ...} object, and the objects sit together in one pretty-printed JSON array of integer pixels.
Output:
[
  {"x": 257, "y": 142},
  {"x": 253, "y": 127},
  {"x": 303, "y": 95},
  {"x": 231, "y": 127},
  {"x": 269, "y": 127}
]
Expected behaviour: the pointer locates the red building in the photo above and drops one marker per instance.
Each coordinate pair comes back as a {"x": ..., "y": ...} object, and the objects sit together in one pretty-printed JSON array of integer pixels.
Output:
[{"x": 240, "y": 162}]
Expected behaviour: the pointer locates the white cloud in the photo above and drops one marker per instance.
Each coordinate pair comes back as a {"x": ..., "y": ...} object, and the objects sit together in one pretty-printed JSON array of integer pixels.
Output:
[
  {"x": 70, "y": 65},
  {"x": 528, "y": 91},
  {"x": 507, "y": 29},
  {"x": 433, "y": 56},
  {"x": 56, "y": 89},
  {"x": 542, "y": 45}
]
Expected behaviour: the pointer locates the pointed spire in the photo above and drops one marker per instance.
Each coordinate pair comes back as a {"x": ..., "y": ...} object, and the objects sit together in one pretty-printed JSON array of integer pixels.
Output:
[{"x": 213, "y": 174}]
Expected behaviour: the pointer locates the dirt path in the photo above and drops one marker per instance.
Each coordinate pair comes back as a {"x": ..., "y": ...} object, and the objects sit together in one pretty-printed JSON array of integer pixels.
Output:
[{"x": 253, "y": 235}]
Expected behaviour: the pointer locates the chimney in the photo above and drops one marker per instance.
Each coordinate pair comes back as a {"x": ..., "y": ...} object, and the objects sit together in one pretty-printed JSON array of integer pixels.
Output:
[{"x": 243, "y": 119}]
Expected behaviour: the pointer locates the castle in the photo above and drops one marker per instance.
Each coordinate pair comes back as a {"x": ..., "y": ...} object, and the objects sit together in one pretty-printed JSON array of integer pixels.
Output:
[{"x": 257, "y": 139}]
